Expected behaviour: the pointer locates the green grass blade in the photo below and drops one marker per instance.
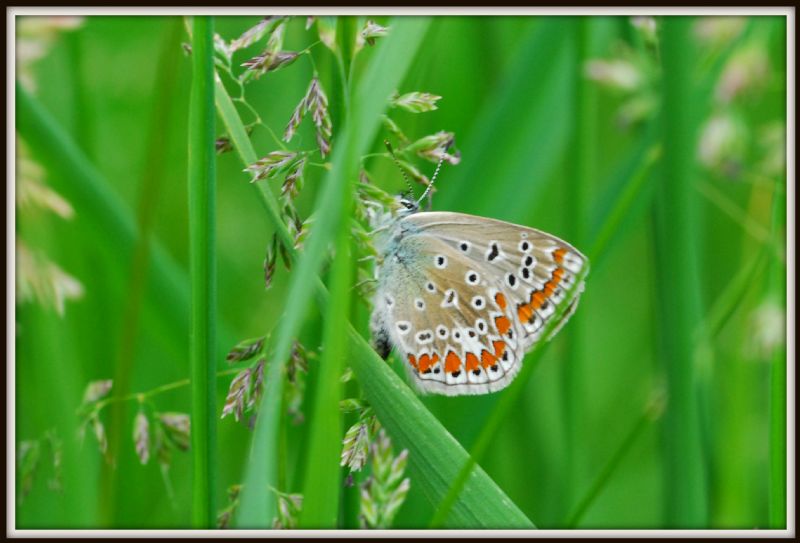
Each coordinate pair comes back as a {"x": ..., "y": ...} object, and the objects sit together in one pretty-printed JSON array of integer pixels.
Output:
[
  {"x": 678, "y": 300},
  {"x": 578, "y": 188},
  {"x": 731, "y": 297},
  {"x": 323, "y": 486},
  {"x": 150, "y": 192},
  {"x": 778, "y": 429},
  {"x": 528, "y": 120},
  {"x": 631, "y": 188},
  {"x": 384, "y": 72},
  {"x": 645, "y": 420},
  {"x": 202, "y": 273}
]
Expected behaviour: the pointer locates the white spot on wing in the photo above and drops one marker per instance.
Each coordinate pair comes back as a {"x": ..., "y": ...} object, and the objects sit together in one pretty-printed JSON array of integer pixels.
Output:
[
  {"x": 424, "y": 337},
  {"x": 450, "y": 298}
]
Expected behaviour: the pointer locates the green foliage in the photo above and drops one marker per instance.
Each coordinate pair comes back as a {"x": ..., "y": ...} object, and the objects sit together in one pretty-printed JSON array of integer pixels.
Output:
[{"x": 656, "y": 146}]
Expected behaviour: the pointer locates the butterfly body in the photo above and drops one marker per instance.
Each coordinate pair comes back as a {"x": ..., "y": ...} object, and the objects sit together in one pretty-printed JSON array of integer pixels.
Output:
[{"x": 463, "y": 298}]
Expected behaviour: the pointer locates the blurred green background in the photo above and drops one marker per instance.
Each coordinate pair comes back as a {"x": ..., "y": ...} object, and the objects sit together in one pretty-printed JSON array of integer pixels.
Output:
[{"x": 661, "y": 159}]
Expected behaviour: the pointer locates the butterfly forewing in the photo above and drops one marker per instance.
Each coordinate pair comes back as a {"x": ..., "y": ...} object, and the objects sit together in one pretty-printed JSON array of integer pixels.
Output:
[
  {"x": 463, "y": 298},
  {"x": 536, "y": 268}
]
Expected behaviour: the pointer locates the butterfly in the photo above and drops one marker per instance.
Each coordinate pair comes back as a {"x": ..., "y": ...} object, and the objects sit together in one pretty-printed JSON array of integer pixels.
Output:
[{"x": 463, "y": 298}]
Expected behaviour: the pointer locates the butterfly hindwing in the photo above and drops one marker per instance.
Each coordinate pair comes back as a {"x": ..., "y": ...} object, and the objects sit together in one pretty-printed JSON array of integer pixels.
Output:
[{"x": 450, "y": 318}]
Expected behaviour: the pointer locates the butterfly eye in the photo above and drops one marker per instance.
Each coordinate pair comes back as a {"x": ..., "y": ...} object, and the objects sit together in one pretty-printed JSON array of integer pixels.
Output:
[
  {"x": 472, "y": 278},
  {"x": 477, "y": 302},
  {"x": 525, "y": 273},
  {"x": 456, "y": 335},
  {"x": 420, "y": 305},
  {"x": 403, "y": 327},
  {"x": 431, "y": 287},
  {"x": 480, "y": 324},
  {"x": 441, "y": 261},
  {"x": 424, "y": 336},
  {"x": 441, "y": 331},
  {"x": 524, "y": 246},
  {"x": 529, "y": 260},
  {"x": 464, "y": 246}
]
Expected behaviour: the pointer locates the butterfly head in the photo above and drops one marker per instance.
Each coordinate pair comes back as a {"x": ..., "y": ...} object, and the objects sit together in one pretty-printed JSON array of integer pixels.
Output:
[{"x": 406, "y": 205}]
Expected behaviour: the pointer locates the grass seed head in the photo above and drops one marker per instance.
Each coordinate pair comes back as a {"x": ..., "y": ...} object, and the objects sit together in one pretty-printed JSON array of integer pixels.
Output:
[{"x": 141, "y": 437}]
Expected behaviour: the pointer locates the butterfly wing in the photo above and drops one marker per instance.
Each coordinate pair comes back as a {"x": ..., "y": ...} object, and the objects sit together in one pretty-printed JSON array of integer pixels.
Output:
[
  {"x": 444, "y": 298},
  {"x": 450, "y": 321},
  {"x": 537, "y": 269}
]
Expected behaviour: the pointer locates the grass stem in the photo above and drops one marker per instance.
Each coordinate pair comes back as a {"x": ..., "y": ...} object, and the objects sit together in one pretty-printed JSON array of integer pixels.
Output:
[
  {"x": 202, "y": 273},
  {"x": 685, "y": 476}
]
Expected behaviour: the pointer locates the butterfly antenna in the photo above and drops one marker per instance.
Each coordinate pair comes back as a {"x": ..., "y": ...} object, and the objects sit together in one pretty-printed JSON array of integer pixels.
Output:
[
  {"x": 399, "y": 167},
  {"x": 435, "y": 173}
]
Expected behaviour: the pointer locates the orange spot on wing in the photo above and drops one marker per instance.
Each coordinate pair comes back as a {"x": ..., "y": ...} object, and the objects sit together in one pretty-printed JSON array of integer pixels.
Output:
[
  {"x": 551, "y": 285},
  {"x": 472, "y": 362},
  {"x": 500, "y": 300},
  {"x": 503, "y": 325},
  {"x": 499, "y": 348},
  {"x": 525, "y": 312},
  {"x": 558, "y": 255},
  {"x": 488, "y": 359},
  {"x": 412, "y": 360},
  {"x": 424, "y": 362},
  {"x": 537, "y": 299},
  {"x": 452, "y": 362},
  {"x": 434, "y": 359}
]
